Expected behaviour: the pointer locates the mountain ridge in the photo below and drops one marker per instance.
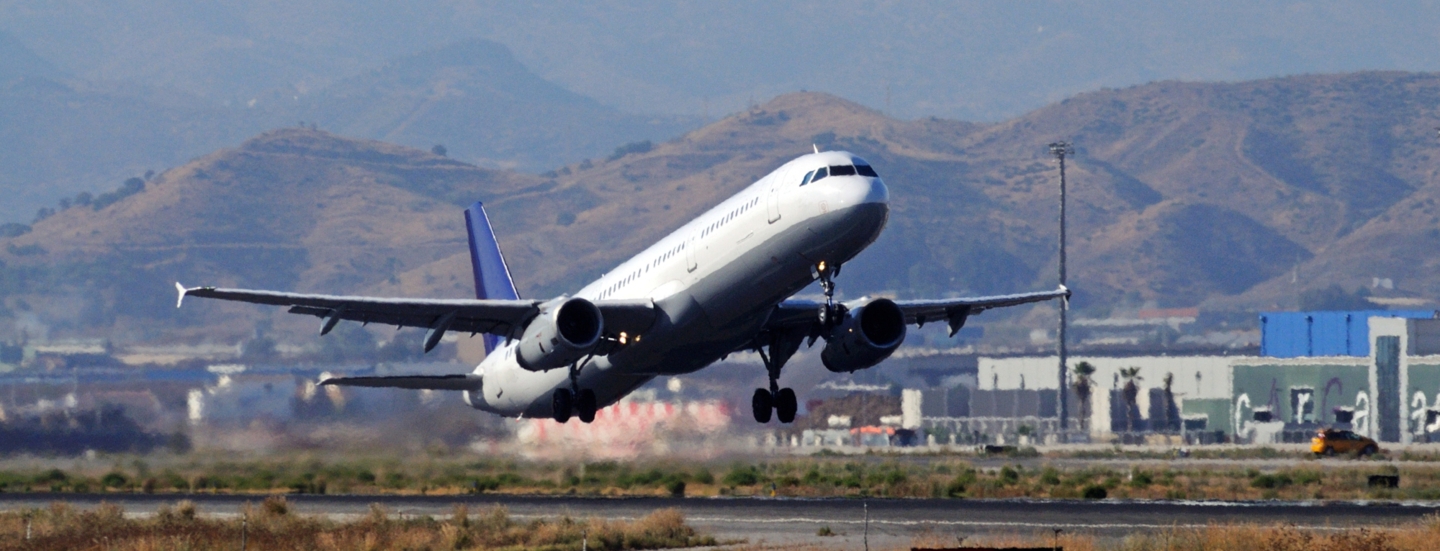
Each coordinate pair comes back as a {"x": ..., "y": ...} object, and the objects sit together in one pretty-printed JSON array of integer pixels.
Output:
[{"x": 1180, "y": 197}]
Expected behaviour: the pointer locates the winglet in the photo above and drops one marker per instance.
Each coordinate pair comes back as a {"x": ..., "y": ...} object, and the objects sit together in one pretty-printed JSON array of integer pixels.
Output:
[{"x": 181, "y": 289}]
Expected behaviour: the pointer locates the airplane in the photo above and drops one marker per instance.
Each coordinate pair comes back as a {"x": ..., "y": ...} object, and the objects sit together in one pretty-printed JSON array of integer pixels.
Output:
[{"x": 722, "y": 283}]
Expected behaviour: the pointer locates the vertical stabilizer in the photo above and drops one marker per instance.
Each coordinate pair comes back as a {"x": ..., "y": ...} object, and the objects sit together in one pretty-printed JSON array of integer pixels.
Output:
[{"x": 492, "y": 275}]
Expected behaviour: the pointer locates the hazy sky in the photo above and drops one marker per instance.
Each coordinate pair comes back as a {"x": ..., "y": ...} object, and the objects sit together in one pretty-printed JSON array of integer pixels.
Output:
[{"x": 969, "y": 60}]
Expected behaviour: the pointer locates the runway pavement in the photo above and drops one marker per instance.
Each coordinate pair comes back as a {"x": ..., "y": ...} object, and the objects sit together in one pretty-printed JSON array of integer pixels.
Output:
[{"x": 892, "y": 522}]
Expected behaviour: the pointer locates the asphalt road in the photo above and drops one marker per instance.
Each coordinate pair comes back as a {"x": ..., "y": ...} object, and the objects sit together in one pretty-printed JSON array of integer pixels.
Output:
[{"x": 892, "y": 522}]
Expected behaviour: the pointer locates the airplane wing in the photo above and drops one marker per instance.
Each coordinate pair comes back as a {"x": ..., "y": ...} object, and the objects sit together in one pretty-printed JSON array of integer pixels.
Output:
[
  {"x": 952, "y": 309},
  {"x": 504, "y": 317},
  {"x": 469, "y": 381},
  {"x": 796, "y": 314}
]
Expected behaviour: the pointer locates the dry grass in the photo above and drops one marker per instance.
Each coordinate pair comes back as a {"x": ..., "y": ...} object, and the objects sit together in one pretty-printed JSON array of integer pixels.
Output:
[
  {"x": 272, "y": 525},
  {"x": 934, "y": 477},
  {"x": 1418, "y": 536}
]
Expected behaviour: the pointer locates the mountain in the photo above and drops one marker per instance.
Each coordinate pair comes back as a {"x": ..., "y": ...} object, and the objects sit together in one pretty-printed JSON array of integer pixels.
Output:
[
  {"x": 61, "y": 135},
  {"x": 483, "y": 106},
  {"x": 1181, "y": 193},
  {"x": 290, "y": 209},
  {"x": 1211, "y": 194},
  {"x": 976, "y": 61}
]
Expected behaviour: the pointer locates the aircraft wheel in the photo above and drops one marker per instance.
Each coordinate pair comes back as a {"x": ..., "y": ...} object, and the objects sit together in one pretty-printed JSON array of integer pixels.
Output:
[
  {"x": 786, "y": 406},
  {"x": 762, "y": 404},
  {"x": 585, "y": 406},
  {"x": 560, "y": 405}
]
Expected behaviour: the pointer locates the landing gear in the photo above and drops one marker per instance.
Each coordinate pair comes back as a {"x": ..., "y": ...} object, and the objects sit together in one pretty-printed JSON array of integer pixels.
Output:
[
  {"x": 585, "y": 406},
  {"x": 829, "y": 313},
  {"x": 781, "y": 401},
  {"x": 561, "y": 404},
  {"x": 762, "y": 403},
  {"x": 786, "y": 406},
  {"x": 574, "y": 400}
]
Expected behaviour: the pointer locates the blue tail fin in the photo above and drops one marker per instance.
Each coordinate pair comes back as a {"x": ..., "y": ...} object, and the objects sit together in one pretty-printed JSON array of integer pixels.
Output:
[{"x": 492, "y": 276}]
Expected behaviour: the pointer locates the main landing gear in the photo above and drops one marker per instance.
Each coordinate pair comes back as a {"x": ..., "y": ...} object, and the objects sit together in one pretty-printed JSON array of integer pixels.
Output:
[
  {"x": 580, "y": 402},
  {"x": 782, "y": 401}
]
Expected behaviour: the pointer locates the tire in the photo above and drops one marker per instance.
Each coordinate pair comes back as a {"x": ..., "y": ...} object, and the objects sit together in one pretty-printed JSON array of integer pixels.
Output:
[
  {"x": 1369, "y": 450},
  {"x": 561, "y": 404},
  {"x": 585, "y": 406},
  {"x": 786, "y": 406},
  {"x": 1328, "y": 452},
  {"x": 761, "y": 404}
]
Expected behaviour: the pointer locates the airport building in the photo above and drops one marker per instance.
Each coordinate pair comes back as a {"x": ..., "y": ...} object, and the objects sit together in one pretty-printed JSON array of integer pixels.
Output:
[{"x": 1377, "y": 372}]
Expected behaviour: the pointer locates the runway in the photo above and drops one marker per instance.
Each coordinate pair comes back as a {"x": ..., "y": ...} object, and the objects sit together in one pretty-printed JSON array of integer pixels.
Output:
[{"x": 892, "y": 522}]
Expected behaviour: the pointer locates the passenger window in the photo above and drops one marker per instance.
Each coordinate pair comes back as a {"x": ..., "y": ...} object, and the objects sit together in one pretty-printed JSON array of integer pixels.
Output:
[
  {"x": 807, "y": 177},
  {"x": 842, "y": 170},
  {"x": 819, "y": 174},
  {"x": 865, "y": 170}
]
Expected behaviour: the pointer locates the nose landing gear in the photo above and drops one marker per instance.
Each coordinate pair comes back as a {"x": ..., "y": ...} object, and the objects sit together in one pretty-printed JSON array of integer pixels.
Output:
[{"x": 830, "y": 313}]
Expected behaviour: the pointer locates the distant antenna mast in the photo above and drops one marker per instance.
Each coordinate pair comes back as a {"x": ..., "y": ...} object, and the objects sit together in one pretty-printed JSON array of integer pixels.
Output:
[{"x": 1060, "y": 150}]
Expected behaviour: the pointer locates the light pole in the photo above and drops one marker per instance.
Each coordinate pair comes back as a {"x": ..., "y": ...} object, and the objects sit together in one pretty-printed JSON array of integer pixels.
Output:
[{"x": 1060, "y": 150}]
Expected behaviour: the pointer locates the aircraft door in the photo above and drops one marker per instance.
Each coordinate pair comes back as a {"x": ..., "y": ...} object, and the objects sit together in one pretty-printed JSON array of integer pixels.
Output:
[
  {"x": 690, "y": 245},
  {"x": 773, "y": 199}
]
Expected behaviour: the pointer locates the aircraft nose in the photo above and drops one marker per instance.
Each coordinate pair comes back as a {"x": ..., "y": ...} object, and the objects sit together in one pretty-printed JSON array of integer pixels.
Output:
[{"x": 861, "y": 190}]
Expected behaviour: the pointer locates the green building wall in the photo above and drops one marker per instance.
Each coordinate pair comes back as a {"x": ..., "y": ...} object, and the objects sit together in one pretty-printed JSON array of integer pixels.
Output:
[
  {"x": 1215, "y": 410},
  {"x": 1423, "y": 390},
  {"x": 1332, "y": 383}
]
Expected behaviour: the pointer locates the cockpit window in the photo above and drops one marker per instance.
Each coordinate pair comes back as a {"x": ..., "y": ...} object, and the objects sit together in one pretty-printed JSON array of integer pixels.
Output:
[
  {"x": 819, "y": 174},
  {"x": 842, "y": 170},
  {"x": 807, "y": 177},
  {"x": 865, "y": 170}
]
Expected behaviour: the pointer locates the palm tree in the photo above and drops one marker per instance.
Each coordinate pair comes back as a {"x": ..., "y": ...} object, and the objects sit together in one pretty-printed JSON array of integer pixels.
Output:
[
  {"x": 1170, "y": 413},
  {"x": 1083, "y": 384},
  {"x": 1132, "y": 390}
]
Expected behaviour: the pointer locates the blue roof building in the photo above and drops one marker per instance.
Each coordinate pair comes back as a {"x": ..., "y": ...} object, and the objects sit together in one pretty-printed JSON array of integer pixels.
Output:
[{"x": 1303, "y": 334}]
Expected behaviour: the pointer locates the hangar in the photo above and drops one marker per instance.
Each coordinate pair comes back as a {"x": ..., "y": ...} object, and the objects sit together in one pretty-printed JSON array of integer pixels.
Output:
[{"x": 1377, "y": 372}]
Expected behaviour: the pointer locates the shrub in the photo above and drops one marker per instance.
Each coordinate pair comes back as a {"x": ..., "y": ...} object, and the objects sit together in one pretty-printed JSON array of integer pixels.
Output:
[
  {"x": 1050, "y": 477},
  {"x": 1094, "y": 492},
  {"x": 1008, "y": 475},
  {"x": 676, "y": 488},
  {"x": 12, "y": 229},
  {"x": 743, "y": 476},
  {"x": 275, "y": 506},
  {"x": 113, "y": 480},
  {"x": 630, "y": 148},
  {"x": 1270, "y": 481},
  {"x": 703, "y": 476},
  {"x": 961, "y": 482},
  {"x": 1140, "y": 479}
]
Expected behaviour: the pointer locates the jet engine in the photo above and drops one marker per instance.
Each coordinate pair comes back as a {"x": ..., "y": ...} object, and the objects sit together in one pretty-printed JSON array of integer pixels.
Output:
[
  {"x": 562, "y": 334},
  {"x": 867, "y": 335}
]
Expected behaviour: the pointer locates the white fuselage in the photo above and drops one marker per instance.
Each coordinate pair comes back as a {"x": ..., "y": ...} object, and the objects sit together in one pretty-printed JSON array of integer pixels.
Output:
[{"x": 715, "y": 281}]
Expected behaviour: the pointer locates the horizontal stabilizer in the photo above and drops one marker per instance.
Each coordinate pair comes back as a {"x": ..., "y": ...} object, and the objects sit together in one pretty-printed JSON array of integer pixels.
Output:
[{"x": 467, "y": 381}]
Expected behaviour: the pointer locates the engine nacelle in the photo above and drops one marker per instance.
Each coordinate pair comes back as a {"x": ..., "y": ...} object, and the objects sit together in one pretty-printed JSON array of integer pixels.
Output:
[
  {"x": 562, "y": 334},
  {"x": 867, "y": 335}
]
